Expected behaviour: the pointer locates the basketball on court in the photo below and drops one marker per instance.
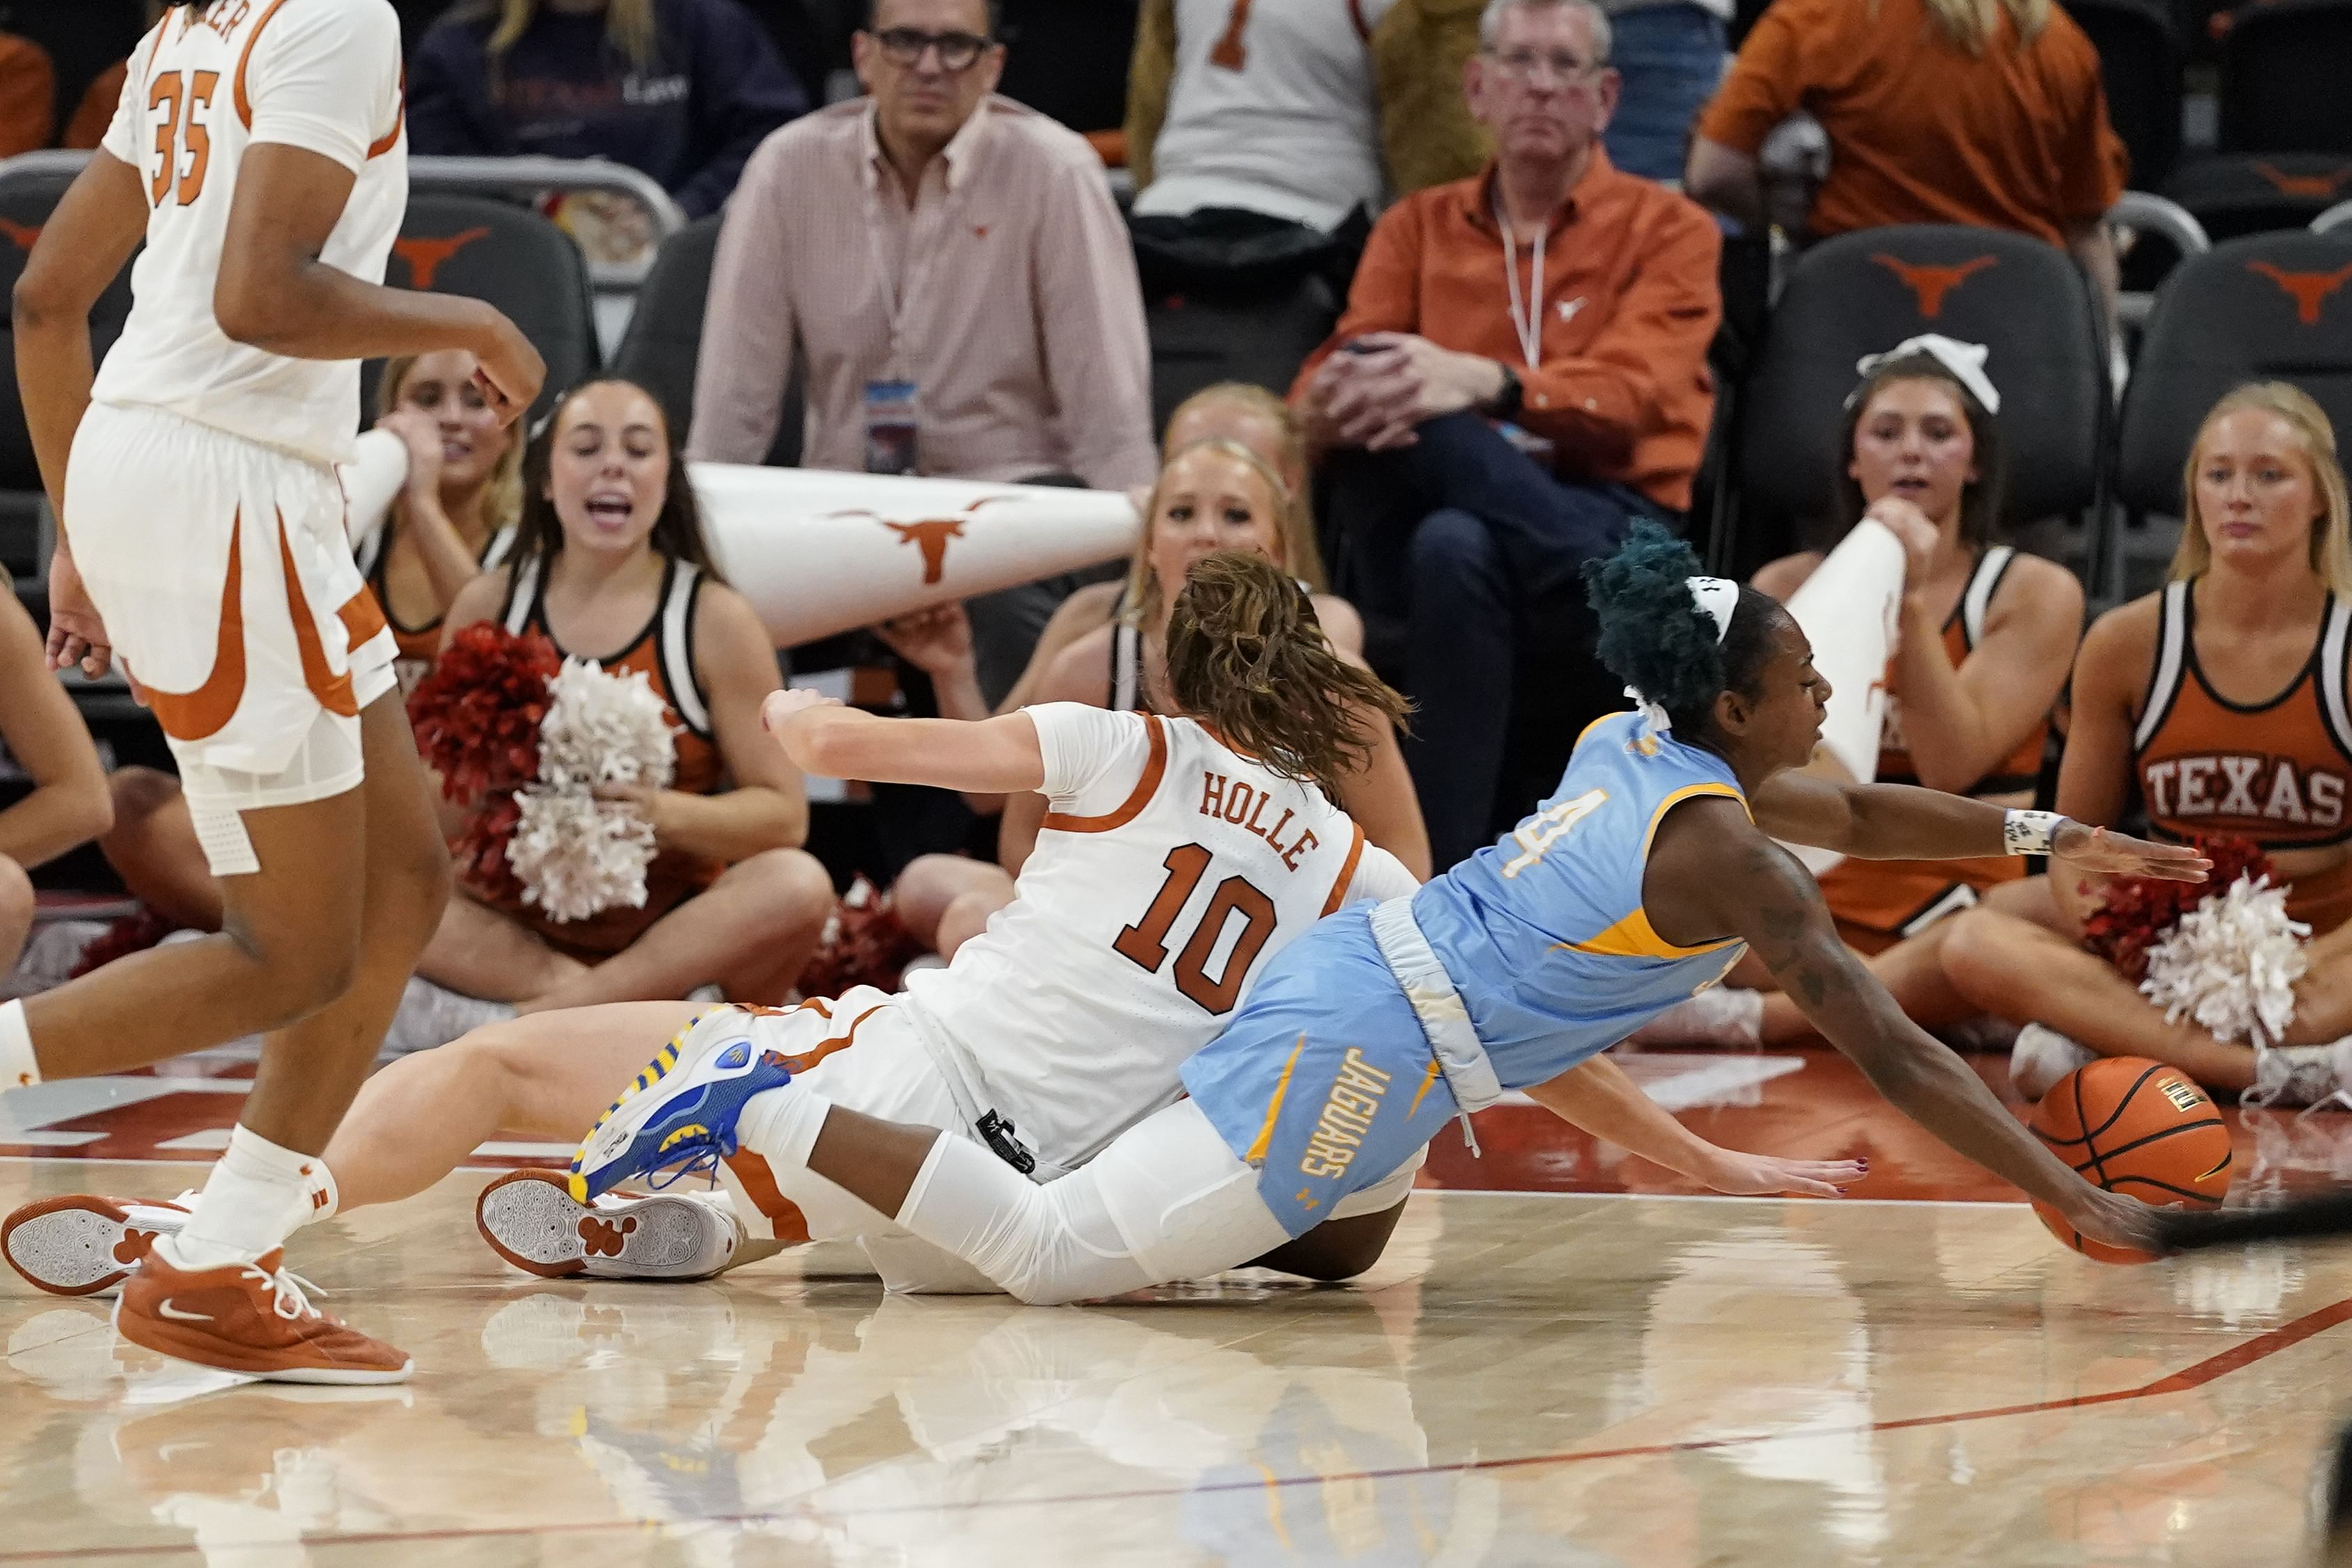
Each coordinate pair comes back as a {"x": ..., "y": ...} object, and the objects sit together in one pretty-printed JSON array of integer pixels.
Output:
[{"x": 2135, "y": 1127}]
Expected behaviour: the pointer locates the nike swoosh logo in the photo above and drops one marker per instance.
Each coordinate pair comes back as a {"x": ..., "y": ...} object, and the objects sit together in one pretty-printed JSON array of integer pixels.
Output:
[{"x": 165, "y": 1309}]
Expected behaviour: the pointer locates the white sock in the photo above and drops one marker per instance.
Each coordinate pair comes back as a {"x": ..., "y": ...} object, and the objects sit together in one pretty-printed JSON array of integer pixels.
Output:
[
  {"x": 17, "y": 1067},
  {"x": 322, "y": 1199},
  {"x": 248, "y": 1203},
  {"x": 781, "y": 1125}
]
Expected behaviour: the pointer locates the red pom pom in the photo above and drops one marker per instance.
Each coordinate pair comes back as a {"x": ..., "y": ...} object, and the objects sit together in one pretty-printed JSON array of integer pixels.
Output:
[
  {"x": 476, "y": 715},
  {"x": 480, "y": 852},
  {"x": 2138, "y": 911}
]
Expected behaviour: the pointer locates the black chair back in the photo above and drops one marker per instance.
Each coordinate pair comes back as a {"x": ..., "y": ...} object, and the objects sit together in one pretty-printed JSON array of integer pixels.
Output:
[
  {"x": 1862, "y": 293},
  {"x": 2139, "y": 63},
  {"x": 2281, "y": 77},
  {"x": 515, "y": 260},
  {"x": 2255, "y": 193},
  {"x": 664, "y": 341},
  {"x": 2273, "y": 307},
  {"x": 1198, "y": 340},
  {"x": 25, "y": 202}
]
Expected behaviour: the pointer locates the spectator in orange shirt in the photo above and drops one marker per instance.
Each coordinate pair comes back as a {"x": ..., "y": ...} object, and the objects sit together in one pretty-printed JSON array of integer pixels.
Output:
[
  {"x": 1520, "y": 372},
  {"x": 27, "y": 84},
  {"x": 1936, "y": 112}
]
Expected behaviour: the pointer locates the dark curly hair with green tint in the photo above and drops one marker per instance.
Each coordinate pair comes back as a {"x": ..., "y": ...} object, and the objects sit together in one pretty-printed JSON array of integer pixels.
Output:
[{"x": 1654, "y": 637}]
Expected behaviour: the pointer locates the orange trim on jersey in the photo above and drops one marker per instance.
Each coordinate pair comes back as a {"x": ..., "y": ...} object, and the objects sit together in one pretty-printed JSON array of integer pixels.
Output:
[
  {"x": 1347, "y": 871},
  {"x": 1154, "y": 767},
  {"x": 362, "y": 617},
  {"x": 390, "y": 139},
  {"x": 1273, "y": 1107},
  {"x": 237, "y": 87},
  {"x": 1428, "y": 1080},
  {"x": 201, "y": 714},
  {"x": 802, "y": 1064},
  {"x": 332, "y": 690},
  {"x": 784, "y": 1218},
  {"x": 1633, "y": 938}
]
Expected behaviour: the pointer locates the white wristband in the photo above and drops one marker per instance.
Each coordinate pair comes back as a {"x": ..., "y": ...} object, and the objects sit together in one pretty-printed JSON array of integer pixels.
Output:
[{"x": 2029, "y": 832}]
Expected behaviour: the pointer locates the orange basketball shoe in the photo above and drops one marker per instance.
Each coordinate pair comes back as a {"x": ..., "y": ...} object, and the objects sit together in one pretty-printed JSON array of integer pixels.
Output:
[
  {"x": 85, "y": 1245},
  {"x": 248, "y": 1317}
]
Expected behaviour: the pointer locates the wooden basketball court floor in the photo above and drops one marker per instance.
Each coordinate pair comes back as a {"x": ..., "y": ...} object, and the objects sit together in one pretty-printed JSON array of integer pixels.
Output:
[{"x": 1589, "y": 1367}]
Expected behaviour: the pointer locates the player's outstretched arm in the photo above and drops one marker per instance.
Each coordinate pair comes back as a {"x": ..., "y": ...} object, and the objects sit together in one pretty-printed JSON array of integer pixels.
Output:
[
  {"x": 275, "y": 294},
  {"x": 994, "y": 756},
  {"x": 1901, "y": 822},
  {"x": 1711, "y": 875},
  {"x": 1599, "y": 1098}
]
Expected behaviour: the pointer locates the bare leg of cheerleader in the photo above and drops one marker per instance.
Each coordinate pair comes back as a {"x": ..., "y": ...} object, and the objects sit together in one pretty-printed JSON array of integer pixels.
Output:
[
  {"x": 944, "y": 900},
  {"x": 478, "y": 951}
]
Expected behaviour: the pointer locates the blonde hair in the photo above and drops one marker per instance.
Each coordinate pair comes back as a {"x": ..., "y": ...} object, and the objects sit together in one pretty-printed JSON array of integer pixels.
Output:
[
  {"x": 502, "y": 491},
  {"x": 2331, "y": 550},
  {"x": 1970, "y": 24},
  {"x": 1140, "y": 604},
  {"x": 1300, "y": 552},
  {"x": 628, "y": 28}
]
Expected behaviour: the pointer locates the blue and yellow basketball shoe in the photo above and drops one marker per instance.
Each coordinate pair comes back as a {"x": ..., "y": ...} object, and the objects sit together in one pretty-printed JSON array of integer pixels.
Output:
[{"x": 679, "y": 1115}]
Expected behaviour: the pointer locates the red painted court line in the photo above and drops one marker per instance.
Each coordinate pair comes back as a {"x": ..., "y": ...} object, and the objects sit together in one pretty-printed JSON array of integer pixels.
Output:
[{"x": 2235, "y": 1359}]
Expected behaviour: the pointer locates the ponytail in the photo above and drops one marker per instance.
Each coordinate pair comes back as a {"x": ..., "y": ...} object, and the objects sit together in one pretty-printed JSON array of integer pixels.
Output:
[{"x": 1247, "y": 657}]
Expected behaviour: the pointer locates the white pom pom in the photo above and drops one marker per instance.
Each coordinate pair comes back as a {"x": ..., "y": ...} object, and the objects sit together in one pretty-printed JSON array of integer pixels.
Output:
[
  {"x": 577, "y": 856},
  {"x": 2230, "y": 965}
]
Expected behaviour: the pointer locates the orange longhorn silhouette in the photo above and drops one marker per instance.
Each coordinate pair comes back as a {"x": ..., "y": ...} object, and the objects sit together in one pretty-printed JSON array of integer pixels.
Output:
[
  {"x": 1930, "y": 284},
  {"x": 2307, "y": 289},
  {"x": 931, "y": 537},
  {"x": 426, "y": 256},
  {"x": 22, "y": 236},
  {"x": 2315, "y": 187}
]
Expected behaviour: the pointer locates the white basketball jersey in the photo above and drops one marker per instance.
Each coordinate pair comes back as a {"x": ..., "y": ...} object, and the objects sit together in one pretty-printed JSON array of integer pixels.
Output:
[
  {"x": 206, "y": 84},
  {"x": 1168, "y": 870}
]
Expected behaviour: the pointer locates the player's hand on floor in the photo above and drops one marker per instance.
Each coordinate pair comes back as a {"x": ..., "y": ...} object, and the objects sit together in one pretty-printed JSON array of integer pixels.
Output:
[
  {"x": 2117, "y": 1220},
  {"x": 1762, "y": 1176},
  {"x": 77, "y": 632},
  {"x": 2104, "y": 850}
]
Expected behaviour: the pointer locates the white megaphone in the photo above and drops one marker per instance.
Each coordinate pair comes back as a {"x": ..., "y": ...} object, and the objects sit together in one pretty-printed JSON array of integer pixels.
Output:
[
  {"x": 819, "y": 552},
  {"x": 1850, "y": 609}
]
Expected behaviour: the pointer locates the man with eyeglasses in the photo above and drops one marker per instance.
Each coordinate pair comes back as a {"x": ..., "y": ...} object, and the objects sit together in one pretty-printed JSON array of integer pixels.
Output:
[
  {"x": 952, "y": 268},
  {"x": 1520, "y": 372}
]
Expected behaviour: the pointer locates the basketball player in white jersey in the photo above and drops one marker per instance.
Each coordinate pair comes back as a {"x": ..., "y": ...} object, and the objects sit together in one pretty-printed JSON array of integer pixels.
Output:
[{"x": 259, "y": 151}]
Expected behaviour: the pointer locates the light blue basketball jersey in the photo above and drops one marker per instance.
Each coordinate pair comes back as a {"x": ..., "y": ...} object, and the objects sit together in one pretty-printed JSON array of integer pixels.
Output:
[
  {"x": 1327, "y": 1080},
  {"x": 1544, "y": 933}
]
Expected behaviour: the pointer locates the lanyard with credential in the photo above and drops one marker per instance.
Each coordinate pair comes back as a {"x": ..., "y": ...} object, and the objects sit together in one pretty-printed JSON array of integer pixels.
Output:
[
  {"x": 1527, "y": 318},
  {"x": 897, "y": 290}
]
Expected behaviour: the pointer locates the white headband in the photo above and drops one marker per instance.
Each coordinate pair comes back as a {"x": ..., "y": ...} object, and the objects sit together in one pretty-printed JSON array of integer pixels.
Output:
[
  {"x": 1965, "y": 361},
  {"x": 1718, "y": 598}
]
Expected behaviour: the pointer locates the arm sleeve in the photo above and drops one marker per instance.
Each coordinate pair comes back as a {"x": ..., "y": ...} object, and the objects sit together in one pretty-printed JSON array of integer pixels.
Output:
[
  {"x": 1088, "y": 751},
  {"x": 1379, "y": 875},
  {"x": 1089, "y": 311},
  {"x": 741, "y": 92},
  {"x": 1766, "y": 82},
  {"x": 748, "y": 327},
  {"x": 325, "y": 79},
  {"x": 1383, "y": 297},
  {"x": 1652, "y": 352}
]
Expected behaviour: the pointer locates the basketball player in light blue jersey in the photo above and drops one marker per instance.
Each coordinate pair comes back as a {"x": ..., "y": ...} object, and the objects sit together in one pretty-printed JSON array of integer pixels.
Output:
[{"x": 1640, "y": 883}]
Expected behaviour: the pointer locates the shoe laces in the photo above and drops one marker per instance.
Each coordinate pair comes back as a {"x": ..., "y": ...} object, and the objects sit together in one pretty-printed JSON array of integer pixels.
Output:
[
  {"x": 286, "y": 1293},
  {"x": 702, "y": 1160}
]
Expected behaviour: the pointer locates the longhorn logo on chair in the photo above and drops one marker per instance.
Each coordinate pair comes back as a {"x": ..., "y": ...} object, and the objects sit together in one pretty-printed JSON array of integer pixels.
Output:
[
  {"x": 2309, "y": 290},
  {"x": 425, "y": 254},
  {"x": 1930, "y": 284},
  {"x": 24, "y": 237},
  {"x": 2311, "y": 187}
]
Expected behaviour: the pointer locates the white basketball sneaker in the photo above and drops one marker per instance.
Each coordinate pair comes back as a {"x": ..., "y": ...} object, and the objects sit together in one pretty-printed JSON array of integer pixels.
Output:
[
  {"x": 531, "y": 1220},
  {"x": 2042, "y": 1056},
  {"x": 85, "y": 1245}
]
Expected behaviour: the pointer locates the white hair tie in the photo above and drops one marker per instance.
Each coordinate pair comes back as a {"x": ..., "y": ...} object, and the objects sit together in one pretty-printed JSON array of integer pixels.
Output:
[
  {"x": 1716, "y": 598},
  {"x": 1965, "y": 361}
]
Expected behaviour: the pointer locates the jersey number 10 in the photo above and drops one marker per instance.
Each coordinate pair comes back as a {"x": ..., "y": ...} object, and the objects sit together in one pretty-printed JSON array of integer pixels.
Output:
[
  {"x": 181, "y": 138},
  {"x": 1146, "y": 942}
]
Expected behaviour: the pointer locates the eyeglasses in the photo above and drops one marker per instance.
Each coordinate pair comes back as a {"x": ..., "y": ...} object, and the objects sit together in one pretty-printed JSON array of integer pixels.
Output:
[
  {"x": 1521, "y": 65},
  {"x": 906, "y": 46}
]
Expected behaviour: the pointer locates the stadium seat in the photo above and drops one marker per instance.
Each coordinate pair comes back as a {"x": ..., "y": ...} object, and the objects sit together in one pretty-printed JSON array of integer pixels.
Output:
[
  {"x": 2274, "y": 306},
  {"x": 1861, "y": 294},
  {"x": 512, "y": 258},
  {"x": 2139, "y": 62},
  {"x": 1198, "y": 340},
  {"x": 2281, "y": 77},
  {"x": 2254, "y": 194},
  {"x": 665, "y": 337}
]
